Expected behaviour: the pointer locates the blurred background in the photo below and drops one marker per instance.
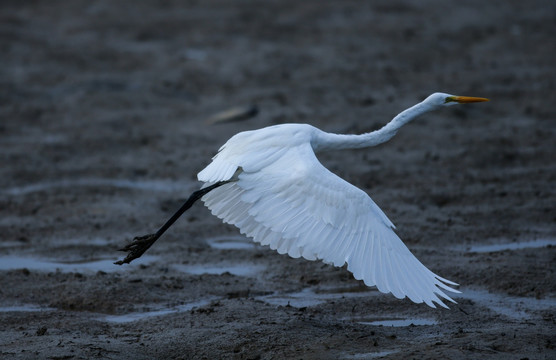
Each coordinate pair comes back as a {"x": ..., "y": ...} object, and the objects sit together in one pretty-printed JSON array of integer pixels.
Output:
[{"x": 109, "y": 109}]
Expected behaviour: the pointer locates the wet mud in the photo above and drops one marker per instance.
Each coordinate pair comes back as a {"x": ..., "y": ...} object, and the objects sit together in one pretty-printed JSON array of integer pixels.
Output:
[{"x": 109, "y": 109}]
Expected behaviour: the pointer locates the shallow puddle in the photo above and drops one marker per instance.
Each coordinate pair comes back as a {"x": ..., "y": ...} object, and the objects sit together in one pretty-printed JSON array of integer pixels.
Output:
[
  {"x": 370, "y": 355},
  {"x": 309, "y": 297},
  {"x": 249, "y": 270},
  {"x": 231, "y": 243},
  {"x": 304, "y": 298},
  {"x": 518, "y": 245},
  {"x": 79, "y": 242},
  {"x": 24, "y": 308},
  {"x": 57, "y": 242},
  {"x": 400, "y": 322},
  {"x": 149, "y": 185},
  {"x": 514, "y": 307},
  {"x": 138, "y": 316},
  {"x": 37, "y": 264}
]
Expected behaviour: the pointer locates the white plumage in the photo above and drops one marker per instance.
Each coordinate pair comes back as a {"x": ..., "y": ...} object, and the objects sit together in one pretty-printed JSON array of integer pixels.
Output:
[{"x": 282, "y": 196}]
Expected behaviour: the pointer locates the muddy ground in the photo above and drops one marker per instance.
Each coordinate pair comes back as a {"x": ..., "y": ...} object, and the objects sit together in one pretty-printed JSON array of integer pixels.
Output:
[{"x": 103, "y": 128}]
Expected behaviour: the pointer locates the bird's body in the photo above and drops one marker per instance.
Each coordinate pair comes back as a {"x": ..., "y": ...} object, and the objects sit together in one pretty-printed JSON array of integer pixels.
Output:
[
  {"x": 282, "y": 196},
  {"x": 270, "y": 184}
]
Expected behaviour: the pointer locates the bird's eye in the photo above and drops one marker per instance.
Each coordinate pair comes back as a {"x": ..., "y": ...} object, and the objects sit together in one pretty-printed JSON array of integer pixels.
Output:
[{"x": 449, "y": 99}]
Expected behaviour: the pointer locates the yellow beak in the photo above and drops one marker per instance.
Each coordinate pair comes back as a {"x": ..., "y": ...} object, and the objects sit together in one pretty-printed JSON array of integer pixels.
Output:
[{"x": 466, "y": 99}]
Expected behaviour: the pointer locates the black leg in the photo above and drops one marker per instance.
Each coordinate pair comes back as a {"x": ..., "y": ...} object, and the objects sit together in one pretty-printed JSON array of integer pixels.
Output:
[{"x": 140, "y": 244}]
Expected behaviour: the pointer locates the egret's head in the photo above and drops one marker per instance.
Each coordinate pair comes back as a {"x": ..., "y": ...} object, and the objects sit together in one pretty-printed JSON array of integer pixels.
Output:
[{"x": 442, "y": 99}]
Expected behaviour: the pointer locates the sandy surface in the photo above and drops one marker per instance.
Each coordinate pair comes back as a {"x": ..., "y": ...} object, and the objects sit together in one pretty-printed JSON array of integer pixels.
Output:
[{"x": 103, "y": 110}]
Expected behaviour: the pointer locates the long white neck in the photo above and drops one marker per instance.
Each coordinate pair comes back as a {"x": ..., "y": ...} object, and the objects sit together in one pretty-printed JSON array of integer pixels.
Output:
[{"x": 324, "y": 141}]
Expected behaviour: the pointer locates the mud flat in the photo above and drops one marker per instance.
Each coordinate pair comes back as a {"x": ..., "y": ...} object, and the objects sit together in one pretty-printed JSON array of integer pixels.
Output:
[{"x": 108, "y": 109}]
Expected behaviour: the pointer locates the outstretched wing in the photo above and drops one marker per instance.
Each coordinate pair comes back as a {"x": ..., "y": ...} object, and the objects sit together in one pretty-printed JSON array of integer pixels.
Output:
[{"x": 298, "y": 207}]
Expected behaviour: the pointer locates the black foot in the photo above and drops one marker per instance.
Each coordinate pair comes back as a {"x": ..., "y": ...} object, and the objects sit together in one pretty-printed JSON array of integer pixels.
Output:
[
  {"x": 140, "y": 244},
  {"x": 137, "y": 247}
]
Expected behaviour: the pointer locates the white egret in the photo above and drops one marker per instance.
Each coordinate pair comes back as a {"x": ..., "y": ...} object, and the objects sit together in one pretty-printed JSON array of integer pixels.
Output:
[{"x": 270, "y": 184}]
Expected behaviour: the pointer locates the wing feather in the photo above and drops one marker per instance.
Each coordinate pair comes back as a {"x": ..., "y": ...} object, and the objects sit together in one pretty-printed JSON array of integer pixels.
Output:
[
  {"x": 394, "y": 281},
  {"x": 296, "y": 206}
]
